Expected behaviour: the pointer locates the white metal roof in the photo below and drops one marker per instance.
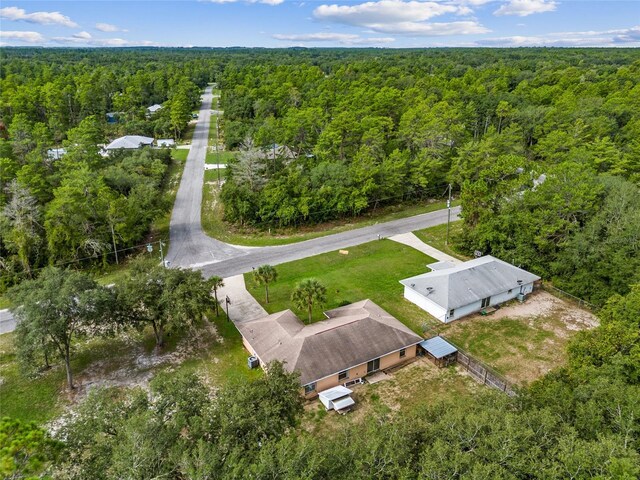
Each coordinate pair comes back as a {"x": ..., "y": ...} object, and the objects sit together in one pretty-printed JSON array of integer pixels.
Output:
[
  {"x": 169, "y": 142},
  {"x": 154, "y": 108},
  {"x": 469, "y": 282},
  {"x": 129, "y": 141},
  {"x": 335, "y": 393},
  {"x": 343, "y": 403},
  {"x": 438, "y": 347}
]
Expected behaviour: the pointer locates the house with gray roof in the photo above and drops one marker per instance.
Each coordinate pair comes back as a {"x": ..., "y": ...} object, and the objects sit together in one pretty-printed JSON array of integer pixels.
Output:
[
  {"x": 130, "y": 142},
  {"x": 458, "y": 290},
  {"x": 354, "y": 341}
]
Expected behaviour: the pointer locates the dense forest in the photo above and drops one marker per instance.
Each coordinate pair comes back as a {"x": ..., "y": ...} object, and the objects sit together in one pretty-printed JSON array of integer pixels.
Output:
[
  {"x": 542, "y": 148},
  {"x": 84, "y": 205},
  {"x": 541, "y": 145}
]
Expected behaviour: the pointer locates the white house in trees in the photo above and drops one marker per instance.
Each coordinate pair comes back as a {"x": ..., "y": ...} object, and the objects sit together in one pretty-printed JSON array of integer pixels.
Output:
[{"x": 455, "y": 291}]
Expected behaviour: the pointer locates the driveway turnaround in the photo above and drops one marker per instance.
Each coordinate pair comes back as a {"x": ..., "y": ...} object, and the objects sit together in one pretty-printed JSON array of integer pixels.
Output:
[{"x": 189, "y": 245}]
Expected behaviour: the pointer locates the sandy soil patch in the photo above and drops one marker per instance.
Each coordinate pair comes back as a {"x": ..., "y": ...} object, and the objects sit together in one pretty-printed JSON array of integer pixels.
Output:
[{"x": 137, "y": 367}]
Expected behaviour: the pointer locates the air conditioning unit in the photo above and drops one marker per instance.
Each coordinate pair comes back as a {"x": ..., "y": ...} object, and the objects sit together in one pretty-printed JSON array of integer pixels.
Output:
[
  {"x": 520, "y": 297},
  {"x": 253, "y": 362}
]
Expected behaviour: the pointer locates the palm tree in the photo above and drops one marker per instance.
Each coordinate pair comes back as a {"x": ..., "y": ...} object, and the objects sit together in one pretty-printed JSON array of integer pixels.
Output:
[
  {"x": 264, "y": 275},
  {"x": 216, "y": 283},
  {"x": 307, "y": 293}
]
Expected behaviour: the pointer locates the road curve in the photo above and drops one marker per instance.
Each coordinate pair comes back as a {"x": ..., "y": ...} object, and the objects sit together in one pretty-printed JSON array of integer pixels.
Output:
[
  {"x": 316, "y": 246},
  {"x": 189, "y": 246}
]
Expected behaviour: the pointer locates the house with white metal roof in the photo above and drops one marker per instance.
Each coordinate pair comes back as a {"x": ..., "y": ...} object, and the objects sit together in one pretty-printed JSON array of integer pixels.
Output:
[
  {"x": 354, "y": 341},
  {"x": 153, "y": 109},
  {"x": 130, "y": 142},
  {"x": 458, "y": 290}
]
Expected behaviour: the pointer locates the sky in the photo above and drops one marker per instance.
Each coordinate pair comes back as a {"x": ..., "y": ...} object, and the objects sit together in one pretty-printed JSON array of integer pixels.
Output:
[{"x": 319, "y": 23}]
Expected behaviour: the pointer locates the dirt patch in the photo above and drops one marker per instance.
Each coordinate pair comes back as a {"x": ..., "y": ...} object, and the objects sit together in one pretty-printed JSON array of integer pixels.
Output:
[
  {"x": 136, "y": 367},
  {"x": 543, "y": 304}
]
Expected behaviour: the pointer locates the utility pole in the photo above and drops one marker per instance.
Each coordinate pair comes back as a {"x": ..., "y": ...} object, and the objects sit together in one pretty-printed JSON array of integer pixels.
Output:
[
  {"x": 446, "y": 242},
  {"x": 217, "y": 154},
  {"x": 115, "y": 249},
  {"x": 227, "y": 302},
  {"x": 162, "y": 253}
]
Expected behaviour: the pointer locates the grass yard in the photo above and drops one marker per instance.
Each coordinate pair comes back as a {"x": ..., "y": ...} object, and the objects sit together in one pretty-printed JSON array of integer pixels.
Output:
[
  {"x": 221, "y": 157},
  {"x": 214, "y": 225},
  {"x": 370, "y": 271},
  {"x": 437, "y": 236},
  {"x": 521, "y": 341},
  {"x": 416, "y": 384}
]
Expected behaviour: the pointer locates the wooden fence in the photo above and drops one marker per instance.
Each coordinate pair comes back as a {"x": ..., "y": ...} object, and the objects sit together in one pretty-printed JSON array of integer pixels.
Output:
[{"x": 482, "y": 373}]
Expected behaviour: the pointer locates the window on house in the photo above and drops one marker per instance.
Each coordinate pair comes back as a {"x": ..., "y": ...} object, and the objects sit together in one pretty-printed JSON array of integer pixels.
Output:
[
  {"x": 451, "y": 312},
  {"x": 310, "y": 387},
  {"x": 343, "y": 375},
  {"x": 485, "y": 302},
  {"x": 403, "y": 352},
  {"x": 373, "y": 365}
]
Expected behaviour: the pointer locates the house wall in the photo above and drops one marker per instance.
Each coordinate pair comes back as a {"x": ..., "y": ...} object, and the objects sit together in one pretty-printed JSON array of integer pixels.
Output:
[
  {"x": 424, "y": 303},
  {"x": 360, "y": 371},
  {"x": 495, "y": 300}
]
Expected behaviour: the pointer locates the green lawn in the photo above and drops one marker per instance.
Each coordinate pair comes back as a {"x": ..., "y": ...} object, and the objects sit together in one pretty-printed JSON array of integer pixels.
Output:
[
  {"x": 372, "y": 271},
  {"x": 214, "y": 225},
  {"x": 436, "y": 237},
  {"x": 219, "y": 157}
]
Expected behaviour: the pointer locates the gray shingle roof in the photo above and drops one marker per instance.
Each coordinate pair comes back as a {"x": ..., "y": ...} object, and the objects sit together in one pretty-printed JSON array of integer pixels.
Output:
[
  {"x": 469, "y": 282},
  {"x": 350, "y": 336}
]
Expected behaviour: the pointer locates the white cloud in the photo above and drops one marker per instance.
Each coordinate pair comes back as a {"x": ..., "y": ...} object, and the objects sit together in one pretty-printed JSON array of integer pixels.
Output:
[
  {"x": 266, "y": 2},
  {"x": 386, "y": 11},
  {"x": 29, "y": 37},
  {"x": 628, "y": 37},
  {"x": 85, "y": 38},
  {"x": 341, "y": 38},
  {"x": 107, "y": 27},
  {"x": 400, "y": 17},
  {"x": 523, "y": 8},
  {"x": 82, "y": 35},
  {"x": 42, "y": 18}
]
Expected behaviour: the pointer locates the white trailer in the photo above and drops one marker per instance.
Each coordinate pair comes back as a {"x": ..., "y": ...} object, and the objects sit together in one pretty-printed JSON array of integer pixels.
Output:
[{"x": 337, "y": 398}]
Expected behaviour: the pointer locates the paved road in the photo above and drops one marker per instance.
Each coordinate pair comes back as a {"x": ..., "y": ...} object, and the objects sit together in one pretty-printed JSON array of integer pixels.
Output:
[
  {"x": 7, "y": 322},
  {"x": 189, "y": 245},
  {"x": 296, "y": 251}
]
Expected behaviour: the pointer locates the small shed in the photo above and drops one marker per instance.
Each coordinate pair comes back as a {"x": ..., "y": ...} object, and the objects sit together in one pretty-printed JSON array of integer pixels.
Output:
[
  {"x": 166, "y": 142},
  {"x": 337, "y": 398},
  {"x": 441, "y": 352}
]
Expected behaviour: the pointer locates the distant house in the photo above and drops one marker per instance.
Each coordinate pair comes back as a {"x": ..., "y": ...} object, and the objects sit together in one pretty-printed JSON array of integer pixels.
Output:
[
  {"x": 56, "y": 153},
  {"x": 166, "y": 142},
  {"x": 455, "y": 291},
  {"x": 278, "y": 151},
  {"x": 153, "y": 109},
  {"x": 112, "y": 117},
  {"x": 129, "y": 142},
  {"x": 354, "y": 341}
]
